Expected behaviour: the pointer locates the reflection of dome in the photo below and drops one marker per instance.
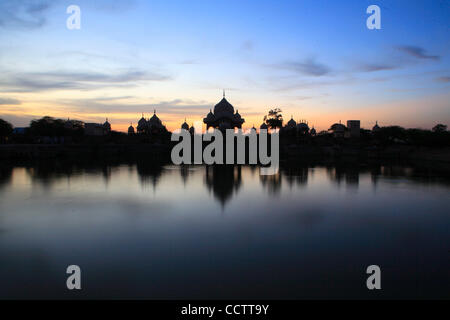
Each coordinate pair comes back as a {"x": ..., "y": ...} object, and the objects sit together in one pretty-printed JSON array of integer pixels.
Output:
[{"x": 223, "y": 107}]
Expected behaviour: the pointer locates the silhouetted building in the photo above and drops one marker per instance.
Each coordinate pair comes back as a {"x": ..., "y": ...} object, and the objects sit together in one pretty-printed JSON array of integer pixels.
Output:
[
  {"x": 97, "y": 129},
  {"x": 302, "y": 127},
  {"x": 185, "y": 126},
  {"x": 375, "y": 127},
  {"x": 354, "y": 128},
  {"x": 130, "y": 130},
  {"x": 338, "y": 130},
  {"x": 223, "y": 116},
  {"x": 151, "y": 126}
]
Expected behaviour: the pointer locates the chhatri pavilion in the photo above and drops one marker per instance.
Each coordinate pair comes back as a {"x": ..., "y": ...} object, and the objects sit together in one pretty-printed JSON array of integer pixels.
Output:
[{"x": 223, "y": 116}]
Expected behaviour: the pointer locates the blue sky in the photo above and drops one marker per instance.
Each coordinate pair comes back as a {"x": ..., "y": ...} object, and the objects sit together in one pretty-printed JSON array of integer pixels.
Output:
[{"x": 316, "y": 60}]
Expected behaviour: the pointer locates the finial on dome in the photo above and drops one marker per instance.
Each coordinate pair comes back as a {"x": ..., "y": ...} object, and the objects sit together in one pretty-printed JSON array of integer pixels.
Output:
[
  {"x": 154, "y": 111},
  {"x": 224, "y": 93}
]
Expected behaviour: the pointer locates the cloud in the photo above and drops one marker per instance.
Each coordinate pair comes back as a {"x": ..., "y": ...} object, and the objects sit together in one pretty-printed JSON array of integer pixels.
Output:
[
  {"x": 43, "y": 81},
  {"x": 26, "y": 14},
  {"x": 8, "y": 101},
  {"x": 372, "y": 67},
  {"x": 443, "y": 79},
  {"x": 417, "y": 52},
  {"x": 308, "y": 67},
  {"x": 247, "y": 45},
  {"x": 101, "y": 105}
]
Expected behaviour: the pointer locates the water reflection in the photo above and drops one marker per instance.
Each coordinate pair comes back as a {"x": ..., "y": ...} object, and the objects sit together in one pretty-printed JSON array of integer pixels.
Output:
[
  {"x": 221, "y": 231},
  {"x": 223, "y": 182}
]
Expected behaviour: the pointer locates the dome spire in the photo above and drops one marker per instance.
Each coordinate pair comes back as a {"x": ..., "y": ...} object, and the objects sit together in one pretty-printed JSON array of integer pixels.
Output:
[{"x": 224, "y": 93}]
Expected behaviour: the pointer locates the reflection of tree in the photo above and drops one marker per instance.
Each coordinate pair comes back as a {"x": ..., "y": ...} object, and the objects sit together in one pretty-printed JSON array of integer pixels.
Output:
[
  {"x": 149, "y": 172},
  {"x": 349, "y": 173},
  {"x": 272, "y": 183},
  {"x": 184, "y": 173},
  {"x": 297, "y": 175},
  {"x": 48, "y": 172},
  {"x": 222, "y": 180},
  {"x": 352, "y": 176},
  {"x": 5, "y": 174}
]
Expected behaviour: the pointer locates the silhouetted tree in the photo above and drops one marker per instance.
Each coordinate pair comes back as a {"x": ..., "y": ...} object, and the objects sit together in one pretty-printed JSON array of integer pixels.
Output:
[
  {"x": 5, "y": 129},
  {"x": 440, "y": 128},
  {"x": 47, "y": 126},
  {"x": 274, "y": 119}
]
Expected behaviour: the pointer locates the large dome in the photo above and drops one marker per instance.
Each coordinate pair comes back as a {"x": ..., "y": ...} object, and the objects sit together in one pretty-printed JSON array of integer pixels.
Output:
[{"x": 223, "y": 107}]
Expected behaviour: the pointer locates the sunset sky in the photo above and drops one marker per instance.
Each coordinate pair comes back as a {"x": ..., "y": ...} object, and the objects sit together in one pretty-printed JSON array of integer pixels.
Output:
[{"x": 314, "y": 59}]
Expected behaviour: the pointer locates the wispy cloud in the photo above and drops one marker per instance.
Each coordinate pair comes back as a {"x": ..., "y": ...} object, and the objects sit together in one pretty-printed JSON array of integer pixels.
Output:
[
  {"x": 26, "y": 14},
  {"x": 417, "y": 52},
  {"x": 372, "y": 67},
  {"x": 309, "y": 67},
  {"x": 105, "y": 105},
  {"x": 9, "y": 101},
  {"x": 53, "y": 80},
  {"x": 443, "y": 79}
]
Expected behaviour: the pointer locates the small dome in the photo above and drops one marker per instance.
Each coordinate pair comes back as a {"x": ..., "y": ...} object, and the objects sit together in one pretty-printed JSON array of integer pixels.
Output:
[
  {"x": 131, "y": 129},
  {"x": 107, "y": 125},
  {"x": 376, "y": 127},
  {"x": 142, "y": 122},
  {"x": 185, "y": 126},
  {"x": 313, "y": 131},
  {"x": 302, "y": 126},
  {"x": 154, "y": 119},
  {"x": 264, "y": 126},
  {"x": 237, "y": 115},
  {"x": 291, "y": 123},
  {"x": 210, "y": 116},
  {"x": 338, "y": 127},
  {"x": 223, "y": 107}
]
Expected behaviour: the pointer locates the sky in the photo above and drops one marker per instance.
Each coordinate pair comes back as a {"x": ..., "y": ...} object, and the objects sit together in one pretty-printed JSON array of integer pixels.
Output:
[{"x": 314, "y": 59}]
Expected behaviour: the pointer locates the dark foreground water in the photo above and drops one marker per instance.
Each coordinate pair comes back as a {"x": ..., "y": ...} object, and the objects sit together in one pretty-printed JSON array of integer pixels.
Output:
[{"x": 149, "y": 231}]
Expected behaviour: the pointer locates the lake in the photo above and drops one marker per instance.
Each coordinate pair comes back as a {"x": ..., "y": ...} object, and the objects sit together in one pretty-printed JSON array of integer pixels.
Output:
[{"x": 169, "y": 232}]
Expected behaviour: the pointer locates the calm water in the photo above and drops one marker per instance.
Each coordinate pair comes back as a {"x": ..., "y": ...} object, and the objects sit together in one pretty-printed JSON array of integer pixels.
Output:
[{"x": 148, "y": 231}]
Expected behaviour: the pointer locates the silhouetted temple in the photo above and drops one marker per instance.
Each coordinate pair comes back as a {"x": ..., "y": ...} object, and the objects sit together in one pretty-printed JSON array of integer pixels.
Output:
[
  {"x": 223, "y": 116},
  {"x": 153, "y": 125}
]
